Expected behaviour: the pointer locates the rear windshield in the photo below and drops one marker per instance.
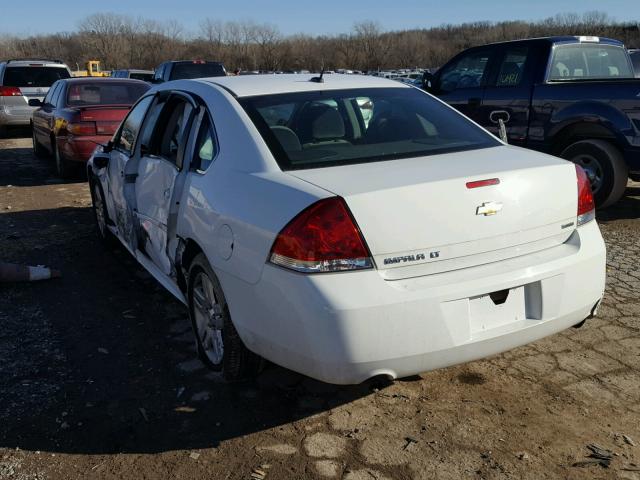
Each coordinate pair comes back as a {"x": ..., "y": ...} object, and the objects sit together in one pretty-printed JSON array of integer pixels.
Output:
[
  {"x": 33, "y": 76},
  {"x": 584, "y": 61},
  {"x": 147, "y": 77},
  {"x": 197, "y": 70},
  {"x": 105, "y": 93},
  {"x": 340, "y": 127}
]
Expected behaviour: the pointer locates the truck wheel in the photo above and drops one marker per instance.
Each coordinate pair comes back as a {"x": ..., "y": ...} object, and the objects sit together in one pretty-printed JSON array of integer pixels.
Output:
[
  {"x": 604, "y": 166},
  {"x": 217, "y": 341}
]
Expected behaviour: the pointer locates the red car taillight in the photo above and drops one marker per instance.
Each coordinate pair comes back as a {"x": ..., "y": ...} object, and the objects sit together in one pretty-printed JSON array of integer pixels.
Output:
[
  {"x": 324, "y": 237},
  {"x": 10, "y": 92},
  {"x": 586, "y": 206},
  {"x": 82, "y": 128}
]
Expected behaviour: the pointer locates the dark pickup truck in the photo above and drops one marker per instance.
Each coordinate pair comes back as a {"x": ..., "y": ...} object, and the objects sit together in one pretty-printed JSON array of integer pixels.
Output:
[
  {"x": 181, "y": 69},
  {"x": 574, "y": 97}
]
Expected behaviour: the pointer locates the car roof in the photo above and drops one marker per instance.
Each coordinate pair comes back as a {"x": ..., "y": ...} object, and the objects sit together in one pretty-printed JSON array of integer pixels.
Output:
[
  {"x": 74, "y": 80},
  {"x": 250, "y": 85},
  {"x": 26, "y": 63},
  {"x": 563, "y": 39}
]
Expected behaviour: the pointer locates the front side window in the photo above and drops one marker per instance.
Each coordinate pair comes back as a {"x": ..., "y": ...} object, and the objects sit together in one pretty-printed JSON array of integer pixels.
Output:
[
  {"x": 466, "y": 72},
  {"x": 582, "y": 61},
  {"x": 33, "y": 76},
  {"x": 125, "y": 139},
  {"x": 512, "y": 67},
  {"x": 339, "y": 127},
  {"x": 49, "y": 96}
]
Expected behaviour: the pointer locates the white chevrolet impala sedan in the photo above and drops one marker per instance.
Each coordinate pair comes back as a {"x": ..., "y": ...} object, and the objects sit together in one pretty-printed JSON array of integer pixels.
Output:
[{"x": 345, "y": 227}]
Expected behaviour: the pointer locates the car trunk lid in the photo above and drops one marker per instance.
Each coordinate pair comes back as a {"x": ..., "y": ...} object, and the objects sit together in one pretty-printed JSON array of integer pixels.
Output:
[
  {"x": 419, "y": 217},
  {"x": 107, "y": 118}
]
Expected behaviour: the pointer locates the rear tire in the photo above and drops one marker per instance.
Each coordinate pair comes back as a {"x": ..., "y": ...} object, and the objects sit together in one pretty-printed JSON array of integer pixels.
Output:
[
  {"x": 217, "y": 341},
  {"x": 605, "y": 168},
  {"x": 63, "y": 166}
]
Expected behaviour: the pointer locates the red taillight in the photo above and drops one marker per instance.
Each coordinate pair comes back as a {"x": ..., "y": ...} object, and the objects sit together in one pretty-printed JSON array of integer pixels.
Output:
[
  {"x": 82, "y": 128},
  {"x": 10, "y": 92},
  {"x": 322, "y": 238},
  {"x": 586, "y": 206}
]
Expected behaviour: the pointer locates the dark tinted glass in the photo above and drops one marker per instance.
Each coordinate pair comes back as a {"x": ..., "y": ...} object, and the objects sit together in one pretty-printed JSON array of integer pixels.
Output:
[
  {"x": 635, "y": 58},
  {"x": 33, "y": 76},
  {"x": 196, "y": 70},
  {"x": 104, "y": 93},
  {"x": 328, "y": 128},
  {"x": 141, "y": 76}
]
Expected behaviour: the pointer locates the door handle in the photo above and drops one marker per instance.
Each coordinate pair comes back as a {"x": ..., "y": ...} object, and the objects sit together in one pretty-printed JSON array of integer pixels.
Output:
[
  {"x": 498, "y": 115},
  {"x": 474, "y": 102},
  {"x": 167, "y": 193}
]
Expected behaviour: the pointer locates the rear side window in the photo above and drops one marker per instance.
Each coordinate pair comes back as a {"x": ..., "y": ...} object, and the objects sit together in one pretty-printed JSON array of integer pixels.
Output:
[
  {"x": 196, "y": 70},
  {"x": 169, "y": 123},
  {"x": 206, "y": 146},
  {"x": 33, "y": 76},
  {"x": 340, "y": 127},
  {"x": 512, "y": 67},
  {"x": 581, "y": 61},
  {"x": 104, "y": 93},
  {"x": 635, "y": 59}
]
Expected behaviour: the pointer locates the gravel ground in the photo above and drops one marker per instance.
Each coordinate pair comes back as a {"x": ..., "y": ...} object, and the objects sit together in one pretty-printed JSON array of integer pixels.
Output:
[{"x": 98, "y": 377}]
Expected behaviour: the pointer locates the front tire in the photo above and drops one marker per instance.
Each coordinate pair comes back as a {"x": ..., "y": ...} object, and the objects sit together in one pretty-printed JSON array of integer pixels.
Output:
[
  {"x": 38, "y": 151},
  {"x": 604, "y": 166},
  {"x": 218, "y": 344},
  {"x": 101, "y": 215}
]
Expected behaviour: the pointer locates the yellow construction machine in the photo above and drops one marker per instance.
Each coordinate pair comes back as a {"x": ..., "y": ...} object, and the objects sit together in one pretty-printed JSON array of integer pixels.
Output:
[{"x": 93, "y": 69}]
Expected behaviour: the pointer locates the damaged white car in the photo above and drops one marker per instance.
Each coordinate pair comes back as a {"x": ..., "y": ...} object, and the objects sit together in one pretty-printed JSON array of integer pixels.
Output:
[{"x": 345, "y": 227}]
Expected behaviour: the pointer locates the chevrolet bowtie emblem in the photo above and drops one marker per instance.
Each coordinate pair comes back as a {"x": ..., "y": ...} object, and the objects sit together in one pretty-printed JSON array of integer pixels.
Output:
[{"x": 489, "y": 208}]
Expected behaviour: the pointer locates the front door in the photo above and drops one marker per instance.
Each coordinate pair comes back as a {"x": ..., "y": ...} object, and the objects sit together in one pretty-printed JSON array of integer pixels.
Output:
[
  {"x": 120, "y": 207},
  {"x": 461, "y": 82},
  {"x": 162, "y": 154}
]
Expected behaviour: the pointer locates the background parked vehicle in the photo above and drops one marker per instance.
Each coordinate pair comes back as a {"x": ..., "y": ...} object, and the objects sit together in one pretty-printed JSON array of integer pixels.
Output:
[
  {"x": 327, "y": 246},
  {"x": 92, "y": 69},
  {"x": 78, "y": 114},
  {"x": 635, "y": 59},
  {"x": 22, "y": 80},
  {"x": 146, "y": 75},
  {"x": 575, "y": 97},
  {"x": 184, "y": 69}
]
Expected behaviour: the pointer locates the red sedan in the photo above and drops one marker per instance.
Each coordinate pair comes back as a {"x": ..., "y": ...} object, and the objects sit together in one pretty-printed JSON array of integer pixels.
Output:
[{"x": 79, "y": 113}]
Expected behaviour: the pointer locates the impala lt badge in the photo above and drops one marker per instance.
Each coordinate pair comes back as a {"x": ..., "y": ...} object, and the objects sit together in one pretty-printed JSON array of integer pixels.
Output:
[{"x": 488, "y": 208}]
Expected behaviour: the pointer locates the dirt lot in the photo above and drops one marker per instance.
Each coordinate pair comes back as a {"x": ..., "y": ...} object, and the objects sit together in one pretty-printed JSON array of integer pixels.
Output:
[{"x": 98, "y": 377}]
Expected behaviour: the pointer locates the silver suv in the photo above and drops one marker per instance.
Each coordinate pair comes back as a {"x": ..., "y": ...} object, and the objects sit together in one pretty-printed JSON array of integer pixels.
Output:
[{"x": 22, "y": 80}]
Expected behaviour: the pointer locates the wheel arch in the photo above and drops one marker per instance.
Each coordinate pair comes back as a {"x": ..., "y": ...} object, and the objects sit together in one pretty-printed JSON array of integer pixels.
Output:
[
  {"x": 187, "y": 250},
  {"x": 581, "y": 130}
]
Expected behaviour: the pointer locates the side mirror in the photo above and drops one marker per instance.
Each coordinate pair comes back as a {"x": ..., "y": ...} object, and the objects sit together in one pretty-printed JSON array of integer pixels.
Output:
[
  {"x": 34, "y": 102},
  {"x": 101, "y": 160},
  {"x": 427, "y": 81}
]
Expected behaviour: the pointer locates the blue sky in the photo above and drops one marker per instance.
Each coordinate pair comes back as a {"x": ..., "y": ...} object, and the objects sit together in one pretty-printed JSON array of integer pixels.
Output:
[{"x": 293, "y": 16}]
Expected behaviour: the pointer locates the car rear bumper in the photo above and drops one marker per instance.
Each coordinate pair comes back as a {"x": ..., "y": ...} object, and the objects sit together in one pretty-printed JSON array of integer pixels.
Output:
[
  {"x": 79, "y": 149},
  {"x": 15, "y": 115},
  {"x": 345, "y": 328}
]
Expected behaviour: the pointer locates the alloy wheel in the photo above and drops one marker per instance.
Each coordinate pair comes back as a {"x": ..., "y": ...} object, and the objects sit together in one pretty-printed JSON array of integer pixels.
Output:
[{"x": 209, "y": 319}]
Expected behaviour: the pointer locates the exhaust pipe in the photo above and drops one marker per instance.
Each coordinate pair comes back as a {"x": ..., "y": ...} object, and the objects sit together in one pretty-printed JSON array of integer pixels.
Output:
[{"x": 594, "y": 312}]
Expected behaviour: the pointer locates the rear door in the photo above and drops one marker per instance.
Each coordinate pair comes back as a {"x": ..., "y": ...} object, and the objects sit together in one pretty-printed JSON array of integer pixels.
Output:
[
  {"x": 507, "y": 95},
  {"x": 461, "y": 82},
  {"x": 162, "y": 160}
]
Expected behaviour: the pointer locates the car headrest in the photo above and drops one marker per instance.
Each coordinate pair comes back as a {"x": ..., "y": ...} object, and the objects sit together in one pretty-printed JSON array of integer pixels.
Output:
[
  {"x": 328, "y": 125},
  {"x": 287, "y": 138}
]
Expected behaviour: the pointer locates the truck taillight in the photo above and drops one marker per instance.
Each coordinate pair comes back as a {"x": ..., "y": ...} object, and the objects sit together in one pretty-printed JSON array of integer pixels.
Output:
[
  {"x": 323, "y": 237},
  {"x": 586, "y": 206},
  {"x": 10, "y": 92}
]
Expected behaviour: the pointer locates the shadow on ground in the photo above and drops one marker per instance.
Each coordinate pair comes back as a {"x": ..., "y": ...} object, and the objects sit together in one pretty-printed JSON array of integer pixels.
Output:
[{"x": 101, "y": 360}]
